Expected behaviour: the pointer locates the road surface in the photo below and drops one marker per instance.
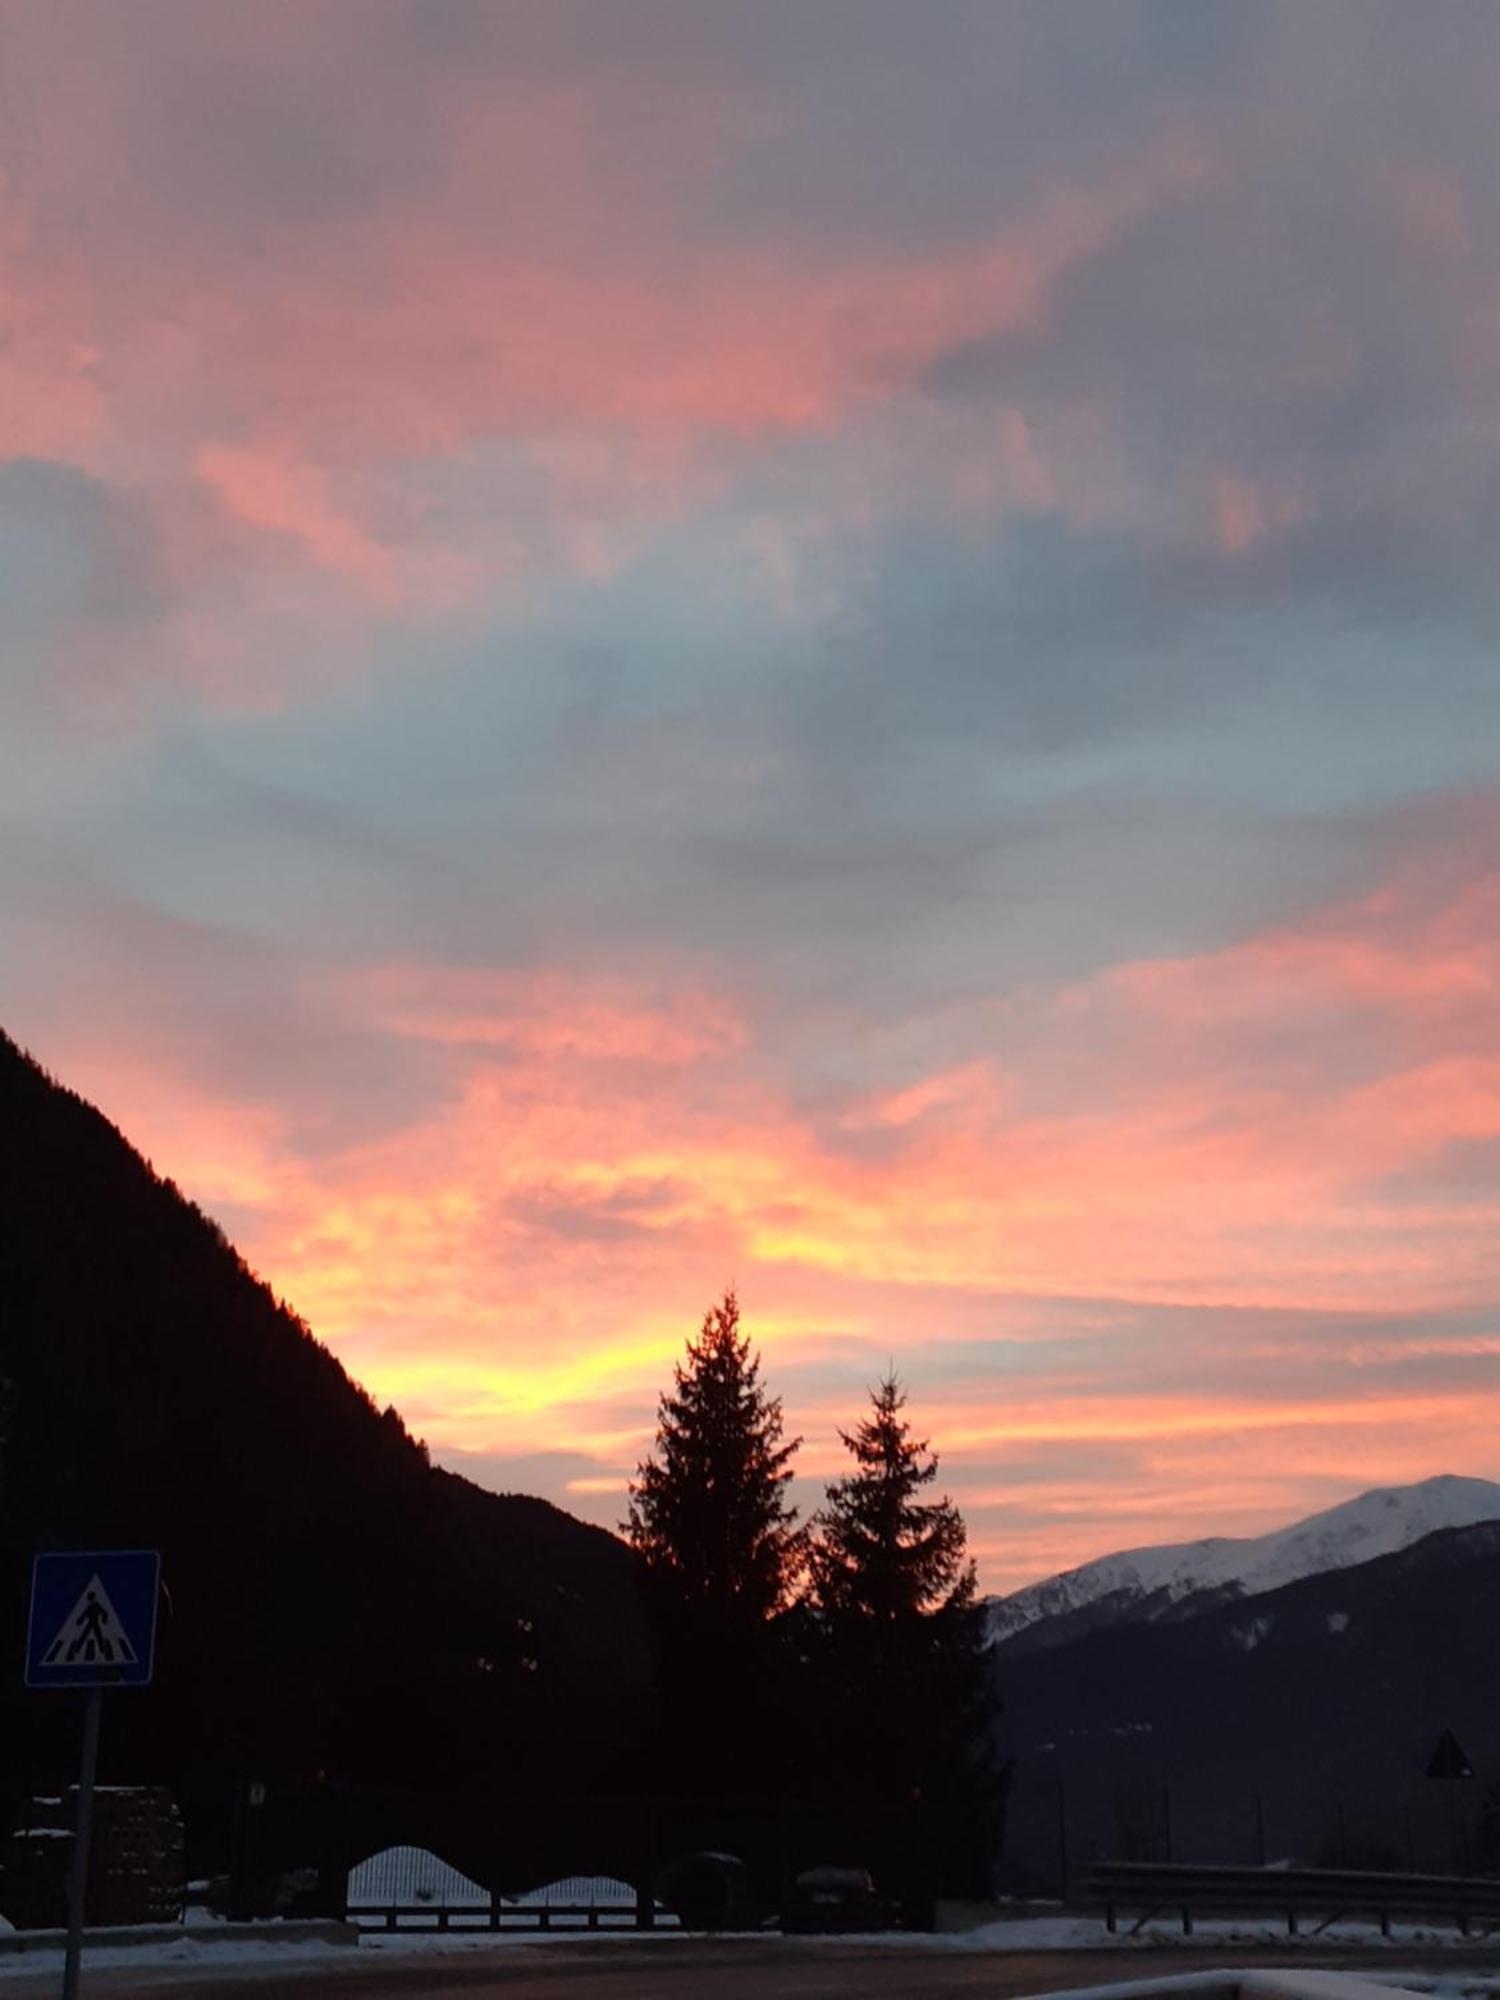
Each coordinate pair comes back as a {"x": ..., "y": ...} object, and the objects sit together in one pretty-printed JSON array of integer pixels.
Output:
[{"x": 694, "y": 1969}]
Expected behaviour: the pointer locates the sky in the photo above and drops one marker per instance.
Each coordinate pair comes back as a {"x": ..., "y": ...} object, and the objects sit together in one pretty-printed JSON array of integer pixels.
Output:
[{"x": 830, "y": 645}]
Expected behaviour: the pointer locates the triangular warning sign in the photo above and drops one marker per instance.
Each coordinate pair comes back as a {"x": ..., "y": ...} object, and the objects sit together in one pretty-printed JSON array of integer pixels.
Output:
[
  {"x": 91, "y": 1635},
  {"x": 1448, "y": 1759}
]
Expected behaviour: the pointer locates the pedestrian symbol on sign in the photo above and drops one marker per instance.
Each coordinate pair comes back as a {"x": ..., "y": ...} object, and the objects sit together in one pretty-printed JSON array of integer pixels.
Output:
[
  {"x": 91, "y": 1634},
  {"x": 93, "y": 1618},
  {"x": 93, "y": 1625}
]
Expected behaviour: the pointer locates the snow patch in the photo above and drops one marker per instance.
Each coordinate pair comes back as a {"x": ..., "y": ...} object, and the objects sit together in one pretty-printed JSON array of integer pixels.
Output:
[
  {"x": 596, "y": 1892},
  {"x": 406, "y": 1875}
]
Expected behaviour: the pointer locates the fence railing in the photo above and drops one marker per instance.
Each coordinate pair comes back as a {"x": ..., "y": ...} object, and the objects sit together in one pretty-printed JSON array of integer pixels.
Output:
[
  {"x": 500, "y": 1916},
  {"x": 1328, "y": 1894},
  {"x": 1057, "y": 1828}
]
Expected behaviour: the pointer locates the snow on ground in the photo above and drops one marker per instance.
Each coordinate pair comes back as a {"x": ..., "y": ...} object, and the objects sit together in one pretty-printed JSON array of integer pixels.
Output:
[
  {"x": 411, "y": 1875},
  {"x": 200, "y": 1955},
  {"x": 1078, "y": 1933},
  {"x": 198, "y": 1951},
  {"x": 603, "y": 1892},
  {"x": 1469, "y": 1984},
  {"x": 613, "y": 1899}
]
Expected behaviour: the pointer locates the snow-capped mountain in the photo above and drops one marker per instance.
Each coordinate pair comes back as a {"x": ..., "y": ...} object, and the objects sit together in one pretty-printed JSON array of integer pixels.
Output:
[
  {"x": 1151, "y": 1583},
  {"x": 1228, "y": 1713}
]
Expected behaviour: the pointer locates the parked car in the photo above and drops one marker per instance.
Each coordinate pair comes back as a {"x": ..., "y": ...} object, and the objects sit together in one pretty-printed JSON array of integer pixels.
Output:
[{"x": 835, "y": 1899}]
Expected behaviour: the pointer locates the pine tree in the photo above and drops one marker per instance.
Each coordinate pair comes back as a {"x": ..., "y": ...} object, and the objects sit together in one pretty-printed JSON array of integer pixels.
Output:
[
  {"x": 899, "y": 1659},
  {"x": 879, "y": 1553},
  {"x": 708, "y": 1509}
]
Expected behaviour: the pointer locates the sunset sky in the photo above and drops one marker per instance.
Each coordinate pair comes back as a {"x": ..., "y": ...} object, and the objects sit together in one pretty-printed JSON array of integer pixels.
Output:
[{"x": 843, "y": 645}]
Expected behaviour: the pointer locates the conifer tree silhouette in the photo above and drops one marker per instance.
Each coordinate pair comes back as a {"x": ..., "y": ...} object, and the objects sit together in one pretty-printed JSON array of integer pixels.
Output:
[
  {"x": 709, "y": 1514},
  {"x": 899, "y": 1657},
  {"x": 878, "y": 1552}
]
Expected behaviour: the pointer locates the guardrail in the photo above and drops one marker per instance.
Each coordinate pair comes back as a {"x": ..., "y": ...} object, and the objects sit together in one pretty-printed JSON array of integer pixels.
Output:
[{"x": 1331, "y": 1894}]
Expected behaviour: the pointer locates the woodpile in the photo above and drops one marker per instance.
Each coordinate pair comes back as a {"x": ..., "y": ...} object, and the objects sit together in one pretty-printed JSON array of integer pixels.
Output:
[{"x": 136, "y": 1861}]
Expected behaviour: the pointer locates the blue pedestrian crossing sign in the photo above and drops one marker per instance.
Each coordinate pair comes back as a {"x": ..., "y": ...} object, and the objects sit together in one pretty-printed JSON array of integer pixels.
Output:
[{"x": 93, "y": 1618}]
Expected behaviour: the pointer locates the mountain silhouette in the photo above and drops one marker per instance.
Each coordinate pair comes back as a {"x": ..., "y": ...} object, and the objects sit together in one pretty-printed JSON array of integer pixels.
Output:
[{"x": 337, "y": 1612}]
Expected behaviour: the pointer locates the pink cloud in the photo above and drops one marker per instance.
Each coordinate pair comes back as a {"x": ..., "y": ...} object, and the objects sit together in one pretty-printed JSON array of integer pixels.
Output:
[
  {"x": 527, "y": 277},
  {"x": 277, "y": 493},
  {"x": 1432, "y": 210},
  {"x": 552, "y": 1016},
  {"x": 1246, "y": 513}
]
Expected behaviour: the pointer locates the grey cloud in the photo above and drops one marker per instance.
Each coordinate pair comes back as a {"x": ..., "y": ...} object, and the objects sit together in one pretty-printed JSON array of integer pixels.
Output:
[
  {"x": 78, "y": 558},
  {"x": 1297, "y": 322},
  {"x": 235, "y": 1013},
  {"x": 1023, "y": 1470},
  {"x": 624, "y": 1215},
  {"x": 1463, "y": 1174}
]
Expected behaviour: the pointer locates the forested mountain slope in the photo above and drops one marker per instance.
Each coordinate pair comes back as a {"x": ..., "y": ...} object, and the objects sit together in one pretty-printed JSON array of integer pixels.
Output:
[{"x": 333, "y": 1603}]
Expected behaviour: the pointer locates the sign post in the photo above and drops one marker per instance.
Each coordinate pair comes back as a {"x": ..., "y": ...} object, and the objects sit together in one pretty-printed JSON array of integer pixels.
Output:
[
  {"x": 78, "y": 1878},
  {"x": 93, "y": 1625}
]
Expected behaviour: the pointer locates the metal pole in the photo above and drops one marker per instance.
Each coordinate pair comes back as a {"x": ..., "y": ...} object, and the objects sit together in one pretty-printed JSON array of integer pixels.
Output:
[
  {"x": 79, "y": 1883},
  {"x": 1062, "y": 1842},
  {"x": 645, "y": 1890},
  {"x": 1260, "y": 1829}
]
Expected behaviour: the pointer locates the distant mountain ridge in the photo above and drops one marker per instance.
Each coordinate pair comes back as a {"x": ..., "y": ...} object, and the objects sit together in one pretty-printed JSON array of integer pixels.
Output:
[
  {"x": 1297, "y": 1724},
  {"x": 1183, "y": 1579}
]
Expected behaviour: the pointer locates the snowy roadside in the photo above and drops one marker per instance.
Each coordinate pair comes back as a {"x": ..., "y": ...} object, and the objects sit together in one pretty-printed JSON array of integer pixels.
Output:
[
  {"x": 1079, "y": 1933},
  {"x": 205, "y": 1954},
  {"x": 204, "y": 1950},
  {"x": 1009, "y": 1934}
]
